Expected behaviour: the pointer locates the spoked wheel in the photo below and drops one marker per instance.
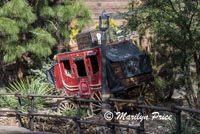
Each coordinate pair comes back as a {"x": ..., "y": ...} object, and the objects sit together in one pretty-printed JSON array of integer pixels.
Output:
[
  {"x": 66, "y": 105},
  {"x": 94, "y": 107},
  {"x": 148, "y": 93}
]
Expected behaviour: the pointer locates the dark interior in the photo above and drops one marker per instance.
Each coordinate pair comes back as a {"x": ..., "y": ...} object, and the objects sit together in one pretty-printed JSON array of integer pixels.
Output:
[
  {"x": 94, "y": 63},
  {"x": 81, "y": 68},
  {"x": 67, "y": 66}
]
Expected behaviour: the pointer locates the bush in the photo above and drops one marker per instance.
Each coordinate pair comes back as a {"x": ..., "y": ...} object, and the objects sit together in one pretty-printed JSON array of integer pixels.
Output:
[
  {"x": 40, "y": 74},
  {"x": 73, "y": 112},
  {"x": 25, "y": 87},
  {"x": 189, "y": 125},
  {"x": 40, "y": 71}
]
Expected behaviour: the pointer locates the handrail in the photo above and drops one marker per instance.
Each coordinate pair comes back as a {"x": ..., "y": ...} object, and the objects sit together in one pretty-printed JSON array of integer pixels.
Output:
[{"x": 173, "y": 108}]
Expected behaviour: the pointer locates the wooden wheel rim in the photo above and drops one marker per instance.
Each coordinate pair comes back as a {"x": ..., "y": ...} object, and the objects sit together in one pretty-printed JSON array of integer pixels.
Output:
[
  {"x": 66, "y": 105},
  {"x": 148, "y": 93},
  {"x": 95, "y": 108}
]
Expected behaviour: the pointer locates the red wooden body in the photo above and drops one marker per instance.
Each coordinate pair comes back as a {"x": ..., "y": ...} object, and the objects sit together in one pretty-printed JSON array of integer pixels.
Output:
[{"x": 78, "y": 72}]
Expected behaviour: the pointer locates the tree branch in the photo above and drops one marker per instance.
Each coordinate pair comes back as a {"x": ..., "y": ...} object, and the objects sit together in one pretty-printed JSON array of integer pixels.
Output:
[
  {"x": 53, "y": 24},
  {"x": 170, "y": 2},
  {"x": 37, "y": 33},
  {"x": 190, "y": 22}
]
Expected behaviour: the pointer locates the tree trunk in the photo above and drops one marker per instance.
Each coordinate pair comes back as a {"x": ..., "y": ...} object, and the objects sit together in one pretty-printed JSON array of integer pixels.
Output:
[
  {"x": 20, "y": 68},
  {"x": 188, "y": 84},
  {"x": 59, "y": 1},
  {"x": 1, "y": 71},
  {"x": 197, "y": 62},
  {"x": 191, "y": 93},
  {"x": 60, "y": 47}
]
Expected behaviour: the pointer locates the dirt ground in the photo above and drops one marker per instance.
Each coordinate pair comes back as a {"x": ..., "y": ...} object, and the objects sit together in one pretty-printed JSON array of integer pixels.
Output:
[
  {"x": 13, "y": 130},
  {"x": 151, "y": 126}
]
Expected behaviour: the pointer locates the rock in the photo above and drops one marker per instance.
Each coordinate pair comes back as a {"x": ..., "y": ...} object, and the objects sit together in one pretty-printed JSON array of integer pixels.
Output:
[{"x": 159, "y": 127}]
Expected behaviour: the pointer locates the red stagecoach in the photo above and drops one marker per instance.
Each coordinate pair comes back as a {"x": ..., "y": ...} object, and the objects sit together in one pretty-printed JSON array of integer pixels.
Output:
[{"x": 78, "y": 73}]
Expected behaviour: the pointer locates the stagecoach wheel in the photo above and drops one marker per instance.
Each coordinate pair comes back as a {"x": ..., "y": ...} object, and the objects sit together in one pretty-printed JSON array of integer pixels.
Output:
[
  {"x": 66, "y": 105},
  {"x": 94, "y": 107},
  {"x": 148, "y": 93}
]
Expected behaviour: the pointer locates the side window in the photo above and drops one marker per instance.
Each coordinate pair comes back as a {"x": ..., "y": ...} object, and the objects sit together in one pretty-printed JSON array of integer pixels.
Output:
[
  {"x": 68, "y": 70},
  {"x": 94, "y": 63},
  {"x": 81, "y": 67}
]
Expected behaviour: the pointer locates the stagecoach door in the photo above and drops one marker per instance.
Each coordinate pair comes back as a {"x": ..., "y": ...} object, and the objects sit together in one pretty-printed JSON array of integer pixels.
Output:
[{"x": 82, "y": 75}]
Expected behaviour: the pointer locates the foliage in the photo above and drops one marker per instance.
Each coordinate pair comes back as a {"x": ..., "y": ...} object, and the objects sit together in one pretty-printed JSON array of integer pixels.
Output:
[
  {"x": 61, "y": 19},
  {"x": 73, "y": 112},
  {"x": 39, "y": 73},
  {"x": 18, "y": 35},
  {"x": 73, "y": 34},
  {"x": 175, "y": 26},
  {"x": 25, "y": 87},
  {"x": 8, "y": 101},
  {"x": 33, "y": 27},
  {"x": 189, "y": 125},
  {"x": 164, "y": 73}
]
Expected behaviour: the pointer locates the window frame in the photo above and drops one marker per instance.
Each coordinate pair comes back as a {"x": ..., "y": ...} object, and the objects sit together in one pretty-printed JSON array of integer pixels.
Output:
[
  {"x": 78, "y": 59},
  {"x": 63, "y": 61}
]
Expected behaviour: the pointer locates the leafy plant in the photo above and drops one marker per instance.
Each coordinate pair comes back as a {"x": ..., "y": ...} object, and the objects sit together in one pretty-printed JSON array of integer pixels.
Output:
[
  {"x": 25, "y": 87},
  {"x": 173, "y": 27},
  {"x": 39, "y": 73},
  {"x": 189, "y": 125},
  {"x": 8, "y": 101},
  {"x": 73, "y": 112}
]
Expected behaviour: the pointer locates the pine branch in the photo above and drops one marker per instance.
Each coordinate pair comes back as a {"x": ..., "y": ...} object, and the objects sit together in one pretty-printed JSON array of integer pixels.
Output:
[{"x": 37, "y": 33}]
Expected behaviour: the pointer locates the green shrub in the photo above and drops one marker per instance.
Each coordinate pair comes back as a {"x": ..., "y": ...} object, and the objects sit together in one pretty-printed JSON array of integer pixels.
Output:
[
  {"x": 189, "y": 125},
  {"x": 73, "y": 112},
  {"x": 25, "y": 87},
  {"x": 39, "y": 73}
]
